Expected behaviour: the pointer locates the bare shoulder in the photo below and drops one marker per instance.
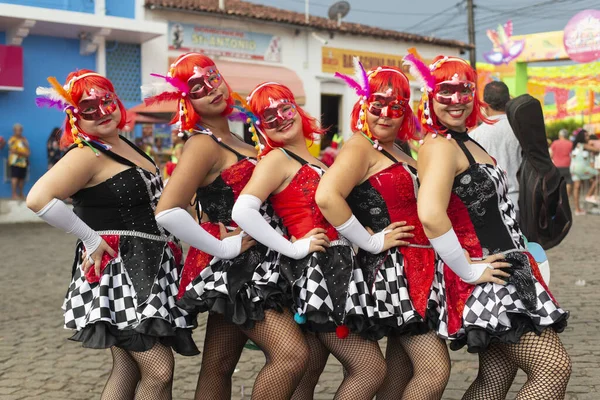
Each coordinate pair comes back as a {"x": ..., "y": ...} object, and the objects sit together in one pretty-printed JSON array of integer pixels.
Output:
[
  {"x": 274, "y": 159},
  {"x": 357, "y": 147},
  {"x": 201, "y": 142},
  {"x": 81, "y": 157}
]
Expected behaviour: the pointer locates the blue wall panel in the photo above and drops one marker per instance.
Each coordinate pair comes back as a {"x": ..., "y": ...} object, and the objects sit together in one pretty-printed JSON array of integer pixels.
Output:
[
  {"x": 86, "y": 6},
  {"x": 120, "y": 8},
  {"x": 43, "y": 56},
  {"x": 2, "y": 38}
]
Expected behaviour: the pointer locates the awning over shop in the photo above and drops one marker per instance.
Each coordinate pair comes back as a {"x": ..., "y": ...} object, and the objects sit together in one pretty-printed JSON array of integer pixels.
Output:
[{"x": 241, "y": 77}]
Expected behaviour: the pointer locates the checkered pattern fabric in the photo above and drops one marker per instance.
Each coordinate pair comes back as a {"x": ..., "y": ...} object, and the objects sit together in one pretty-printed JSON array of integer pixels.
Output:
[
  {"x": 154, "y": 186},
  {"x": 310, "y": 290},
  {"x": 437, "y": 302},
  {"x": 212, "y": 282},
  {"x": 114, "y": 299},
  {"x": 388, "y": 297},
  {"x": 505, "y": 205},
  {"x": 490, "y": 305}
]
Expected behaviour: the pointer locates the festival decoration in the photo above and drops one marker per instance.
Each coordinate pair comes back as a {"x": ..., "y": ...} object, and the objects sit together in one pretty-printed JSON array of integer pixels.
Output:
[
  {"x": 582, "y": 36},
  {"x": 505, "y": 48}
]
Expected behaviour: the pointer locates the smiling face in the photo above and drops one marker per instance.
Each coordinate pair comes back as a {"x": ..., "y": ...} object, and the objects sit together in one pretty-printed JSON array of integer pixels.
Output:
[
  {"x": 213, "y": 101},
  {"x": 281, "y": 121},
  {"x": 453, "y": 102},
  {"x": 98, "y": 113},
  {"x": 385, "y": 114}
]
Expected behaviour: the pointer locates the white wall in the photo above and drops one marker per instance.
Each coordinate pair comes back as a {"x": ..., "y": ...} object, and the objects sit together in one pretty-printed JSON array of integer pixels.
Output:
[{"x": 301, "y": 52}]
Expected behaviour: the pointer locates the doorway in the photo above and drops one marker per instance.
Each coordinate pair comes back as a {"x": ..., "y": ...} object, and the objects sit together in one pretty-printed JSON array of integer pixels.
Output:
[{"x": 330, "y": 117}]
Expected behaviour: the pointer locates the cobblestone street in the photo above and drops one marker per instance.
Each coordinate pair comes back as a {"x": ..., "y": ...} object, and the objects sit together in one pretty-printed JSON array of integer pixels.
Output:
[{"x": 38, "y": 362}]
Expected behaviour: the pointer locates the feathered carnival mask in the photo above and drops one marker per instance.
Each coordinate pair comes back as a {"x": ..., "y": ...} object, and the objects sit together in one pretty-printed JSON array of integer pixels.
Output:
[
  {"x": 388, "y": 105},
  {"x": 95, "y": 107},
  {"x": 200, "y": 84},
  {"x": 453, "y": 91}
]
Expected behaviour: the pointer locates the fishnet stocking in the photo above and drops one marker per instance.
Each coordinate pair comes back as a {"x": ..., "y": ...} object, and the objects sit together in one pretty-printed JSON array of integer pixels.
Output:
[
  {"x": 363, "y": 362},
  {"x": 546, "y": 363},
  {"x": 223, "y": 345},
  {"x": 156, "y": 368},
  {"x": 429, "y": 362},
  {"x": 286, "y": 352},
  {"x": 543, "y": 358},
  {"x": 123, "y": 378},
  {"x": 399, "y": 370},
  {"x": 318, "y": 355},
  {"x": 495, "y": 376}
]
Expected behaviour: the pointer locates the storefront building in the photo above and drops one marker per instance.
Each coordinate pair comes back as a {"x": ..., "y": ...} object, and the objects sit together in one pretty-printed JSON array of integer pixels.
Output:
[{"x": 128, "y": 39}]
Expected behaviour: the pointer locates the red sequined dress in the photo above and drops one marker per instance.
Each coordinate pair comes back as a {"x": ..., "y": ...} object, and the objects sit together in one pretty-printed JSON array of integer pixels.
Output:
[
  {"x": 243, "y": 287},
  {"x": 484, "y": 220},
  {"x": 132, "y": 303},
  {"x": 399, "y": 279},
  {"x": 320, "y": 281}
]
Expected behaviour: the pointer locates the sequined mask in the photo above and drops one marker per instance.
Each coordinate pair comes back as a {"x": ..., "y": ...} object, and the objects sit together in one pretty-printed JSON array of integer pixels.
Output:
[
  {"x": 386, "y": 106},
  {"x": 204, "y": 81},
  {"x": 98, "y": 106},
  {"x": 277, "y": 114}
]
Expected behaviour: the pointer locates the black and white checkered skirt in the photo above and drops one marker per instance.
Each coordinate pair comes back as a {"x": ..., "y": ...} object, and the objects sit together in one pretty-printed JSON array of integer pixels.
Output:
[
  {"x": 382, "y": 292},
  {"x": 241, "y": 289},
  {"x": 320, "y": 283},
  {"x": 133, "y": 304},
  {"x": 499, "y": 313}
]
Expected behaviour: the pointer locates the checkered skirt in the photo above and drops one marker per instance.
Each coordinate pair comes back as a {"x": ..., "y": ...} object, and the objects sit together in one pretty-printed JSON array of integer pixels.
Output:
[
  {"x": 320, "y": 284},
  {"x": 110, "y": 313},
  {"x": 241, "y": 289},
  {"x": 497, "y": 313},
  {"x": 381, "y": 291}
]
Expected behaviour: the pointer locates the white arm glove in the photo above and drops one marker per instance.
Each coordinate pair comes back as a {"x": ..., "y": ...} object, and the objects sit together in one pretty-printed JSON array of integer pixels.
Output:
[
  {"x": 181, "y": 224},
  {"x": 357, "y": 234},
  {"x": 452, "y": 253},
  {"x": 59, "y": 215},
  {"x": 246, "y": 214}
]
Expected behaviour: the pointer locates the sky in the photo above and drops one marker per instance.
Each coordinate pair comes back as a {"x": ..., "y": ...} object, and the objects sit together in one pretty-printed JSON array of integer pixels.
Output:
[{"x": 448, "y": 18}]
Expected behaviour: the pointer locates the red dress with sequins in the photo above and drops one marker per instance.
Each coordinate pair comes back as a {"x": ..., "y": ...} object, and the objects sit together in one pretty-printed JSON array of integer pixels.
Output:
[
  {"x": 231, "y": 287},
  {"x": 320, "y": 281},
  {"x": 401, "y": 278},
  {"x": 484, "y": 220}
]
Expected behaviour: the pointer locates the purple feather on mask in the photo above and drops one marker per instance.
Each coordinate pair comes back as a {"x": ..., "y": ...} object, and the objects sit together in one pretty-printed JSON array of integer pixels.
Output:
[
  {"x": 362, "y": 76},
  {"x": 175, "y": 82},
  {"x": 46, "y": 102}
]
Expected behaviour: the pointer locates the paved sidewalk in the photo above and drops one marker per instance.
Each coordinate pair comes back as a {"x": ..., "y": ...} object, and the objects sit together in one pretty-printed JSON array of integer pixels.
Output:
[{"x": 38, "y": 362}]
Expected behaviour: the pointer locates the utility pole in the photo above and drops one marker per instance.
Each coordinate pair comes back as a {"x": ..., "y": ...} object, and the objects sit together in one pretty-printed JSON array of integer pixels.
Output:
[{"x": 471, "y": 20}]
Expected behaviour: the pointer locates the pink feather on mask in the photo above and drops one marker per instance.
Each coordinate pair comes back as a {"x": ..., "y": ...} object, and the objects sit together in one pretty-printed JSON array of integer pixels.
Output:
[
  {"x": 50, "y": 103},
  {"x": 420, "y": 71},
  {"x": 175, "y": 82},
  {"x": 350, "y": 82},
  {"x": 161, "y": 98}
]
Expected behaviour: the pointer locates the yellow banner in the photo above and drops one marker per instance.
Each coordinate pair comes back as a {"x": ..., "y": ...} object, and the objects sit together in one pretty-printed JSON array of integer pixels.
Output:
[
  {"x": 340, "y": 60},
  {"x": 545, "y": 46}
]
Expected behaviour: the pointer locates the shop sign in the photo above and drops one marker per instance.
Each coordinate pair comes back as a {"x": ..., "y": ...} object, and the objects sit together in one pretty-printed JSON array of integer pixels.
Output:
[
  {"x": 340, "y": 60},
  {"x": 582, "y": 36},
  {"x": 215, "y": 41}
]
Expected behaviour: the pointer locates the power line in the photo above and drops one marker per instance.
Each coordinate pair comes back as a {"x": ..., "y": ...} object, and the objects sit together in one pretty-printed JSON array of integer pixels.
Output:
[{"x": 440, "y": 13}]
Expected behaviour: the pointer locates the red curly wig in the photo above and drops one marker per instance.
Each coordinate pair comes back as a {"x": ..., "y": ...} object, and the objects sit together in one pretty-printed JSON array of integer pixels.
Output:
[
  {"x": 78, "y": 89},
  {"x": 444, "y": 72},
  {"x": 183, "y": 70},
  {"x": 259, "y": 100},
  {"x": 396, "y": 80}
]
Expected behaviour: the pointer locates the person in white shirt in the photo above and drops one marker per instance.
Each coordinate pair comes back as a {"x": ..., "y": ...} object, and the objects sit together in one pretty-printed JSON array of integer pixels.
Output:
[{"x": 499, "y": 139}]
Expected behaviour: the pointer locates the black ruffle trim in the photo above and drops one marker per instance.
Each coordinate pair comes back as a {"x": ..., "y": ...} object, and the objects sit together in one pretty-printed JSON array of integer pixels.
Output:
[
  {"x": 102, "y": 335},
  {"x": 479, "y": 339},
  {"x": 239, "y": 309}
]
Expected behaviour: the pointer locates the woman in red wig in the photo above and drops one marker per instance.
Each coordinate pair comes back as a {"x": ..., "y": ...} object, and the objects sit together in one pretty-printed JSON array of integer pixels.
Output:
[
  {"x": 317, "y": 261},
  {"x": 240, "y": 288},
  {"x": 124, "y": 286},
  {"x": 510, "y": 318},
  {"x": 373, "y": 184}
]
